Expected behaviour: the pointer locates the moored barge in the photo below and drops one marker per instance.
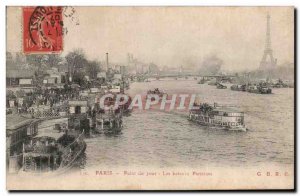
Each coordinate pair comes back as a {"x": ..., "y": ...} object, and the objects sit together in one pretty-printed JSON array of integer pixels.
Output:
[{"x": 52, "y": 152}]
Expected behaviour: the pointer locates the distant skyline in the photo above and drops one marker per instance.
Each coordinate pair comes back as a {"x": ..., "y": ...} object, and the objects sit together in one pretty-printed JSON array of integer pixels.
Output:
[{"x": 173, "y": 36}]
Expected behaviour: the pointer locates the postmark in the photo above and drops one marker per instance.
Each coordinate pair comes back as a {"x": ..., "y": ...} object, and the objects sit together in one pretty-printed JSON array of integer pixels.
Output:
[{"x": 42, "y": 29}]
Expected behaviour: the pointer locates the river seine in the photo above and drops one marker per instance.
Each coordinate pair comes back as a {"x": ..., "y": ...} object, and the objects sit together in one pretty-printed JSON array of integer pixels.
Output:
[{"x": 168, "y": 139}]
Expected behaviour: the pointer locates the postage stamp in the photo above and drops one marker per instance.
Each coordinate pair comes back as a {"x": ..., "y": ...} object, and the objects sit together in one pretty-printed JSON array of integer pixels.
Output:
[{"x": 42, "y": 29}]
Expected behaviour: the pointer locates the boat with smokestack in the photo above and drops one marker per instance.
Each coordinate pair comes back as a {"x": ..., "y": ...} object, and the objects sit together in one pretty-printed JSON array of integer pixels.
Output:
[
  {"x": 156, "y": 91},
  {"x": 239, "y": 87},
  {"x": 202, "y": 81},
  {"x": 280, "y": 84},
  {"x": 218, "y": 117},
  {"x": 109, "y": 121},
  {"x": 221, "y": 86},
  {"x": 261, "y": 88}
]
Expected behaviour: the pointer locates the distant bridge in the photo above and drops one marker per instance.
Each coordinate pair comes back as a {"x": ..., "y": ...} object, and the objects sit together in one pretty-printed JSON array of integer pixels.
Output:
[{"x": 142, "y": 77}]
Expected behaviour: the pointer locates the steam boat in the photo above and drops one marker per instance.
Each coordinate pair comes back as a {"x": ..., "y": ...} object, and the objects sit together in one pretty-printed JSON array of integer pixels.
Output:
[
  {"x": 259, "y": 89},
  {"x": 219, "y": 117},
  {"x": 221, "y": 86},
  {"x": 202, "y": 81},
  {"x": 238, "y": 87},
  {"x": 280, "y": 84},
  {"x": 156, "y": 91},
  {"x": 109, "y": 121}
]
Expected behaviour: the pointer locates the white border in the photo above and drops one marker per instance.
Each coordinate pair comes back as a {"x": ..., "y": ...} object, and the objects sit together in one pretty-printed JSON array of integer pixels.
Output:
[{"x": 5, "y": 3}]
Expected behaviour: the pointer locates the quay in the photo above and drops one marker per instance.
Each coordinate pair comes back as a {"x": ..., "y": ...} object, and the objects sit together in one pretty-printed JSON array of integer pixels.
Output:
[{"x": 68, "y": 105}]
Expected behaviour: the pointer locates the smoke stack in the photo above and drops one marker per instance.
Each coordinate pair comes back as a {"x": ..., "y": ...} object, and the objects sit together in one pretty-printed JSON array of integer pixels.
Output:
[
  {"x": 128, "y": 59},
  {"x": 107, "y": 64}
]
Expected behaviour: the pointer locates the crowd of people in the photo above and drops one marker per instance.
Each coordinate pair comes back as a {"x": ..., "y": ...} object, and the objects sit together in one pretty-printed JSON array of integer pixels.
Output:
[{"x": 30, "y": 102}]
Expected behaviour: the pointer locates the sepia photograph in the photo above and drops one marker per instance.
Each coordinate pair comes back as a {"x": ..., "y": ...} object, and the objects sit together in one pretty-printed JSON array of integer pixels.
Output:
[{"x": 150, "y": 98}]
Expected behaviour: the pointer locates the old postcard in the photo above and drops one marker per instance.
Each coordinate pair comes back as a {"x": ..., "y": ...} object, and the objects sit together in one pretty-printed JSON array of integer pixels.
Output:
[{"x": 150, "y": 98}]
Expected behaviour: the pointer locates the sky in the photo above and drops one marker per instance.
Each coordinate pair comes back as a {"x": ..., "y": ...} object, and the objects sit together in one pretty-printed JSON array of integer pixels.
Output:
[{"x": 173, "y": 36}]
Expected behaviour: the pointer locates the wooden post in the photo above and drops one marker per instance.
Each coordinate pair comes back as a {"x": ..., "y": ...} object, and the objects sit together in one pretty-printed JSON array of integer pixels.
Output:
[
  {"x": 24, "y": 162},
  {"x": 54, "y": 162},
  {"x": 23, "y": 157},
  {"x": 49, "y": 162}
]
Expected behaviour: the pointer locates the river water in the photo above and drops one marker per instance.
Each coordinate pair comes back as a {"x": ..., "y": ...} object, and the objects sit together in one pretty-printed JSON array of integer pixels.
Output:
[{"x": 168, "y": 139}]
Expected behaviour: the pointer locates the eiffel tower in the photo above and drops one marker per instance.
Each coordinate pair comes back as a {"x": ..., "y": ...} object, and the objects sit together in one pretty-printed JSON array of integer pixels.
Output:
[{"x": 268, "y": 52}]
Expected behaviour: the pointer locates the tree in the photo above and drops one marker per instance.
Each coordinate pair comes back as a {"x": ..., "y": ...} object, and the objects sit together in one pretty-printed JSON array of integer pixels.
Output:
[
  {"x": 42, "y": 62},
  {"x": 52, "y": 60},
  {"x": 76, "y": 61},
  {"x": 92, "y": 68},
  {"x": 78, "y": 78},
  {"x": 34, "y": 59}
]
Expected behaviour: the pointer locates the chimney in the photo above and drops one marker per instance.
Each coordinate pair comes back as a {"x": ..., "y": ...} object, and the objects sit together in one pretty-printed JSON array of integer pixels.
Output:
[
  {"x": 107, "y": 64},
  {"x": 128, "y": 59}
]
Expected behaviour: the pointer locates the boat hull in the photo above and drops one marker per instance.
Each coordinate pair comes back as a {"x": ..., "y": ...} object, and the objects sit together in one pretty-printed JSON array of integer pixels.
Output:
[{"x": 219, "y": 127}]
